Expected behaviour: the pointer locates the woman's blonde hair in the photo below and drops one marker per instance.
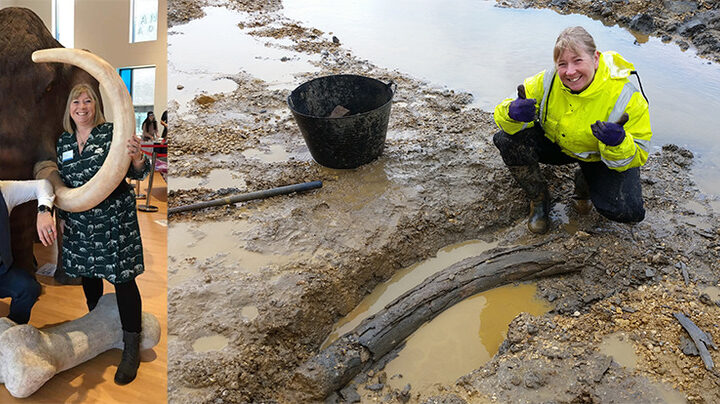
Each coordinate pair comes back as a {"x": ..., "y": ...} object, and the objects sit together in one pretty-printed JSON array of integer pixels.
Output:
[
  {"x": 575, "y": 39},
  {"x": 76, "y": 91}
]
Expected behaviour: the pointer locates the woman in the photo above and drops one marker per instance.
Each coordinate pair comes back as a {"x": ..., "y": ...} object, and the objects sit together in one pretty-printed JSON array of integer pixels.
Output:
[
  {"x": 164, "y": 123},
  {"x": 103, "y": 242},
  {"x": 149, "y": 128},
  {"x": 583, "y": 110}
]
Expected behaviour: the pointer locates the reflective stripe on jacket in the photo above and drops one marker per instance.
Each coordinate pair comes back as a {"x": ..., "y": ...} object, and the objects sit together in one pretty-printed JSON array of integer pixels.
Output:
[{"x": 566, "y": 117}]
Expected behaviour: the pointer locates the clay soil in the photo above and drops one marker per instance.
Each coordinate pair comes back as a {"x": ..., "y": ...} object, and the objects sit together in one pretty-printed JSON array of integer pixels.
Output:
[{"x": 439, "y": 181}]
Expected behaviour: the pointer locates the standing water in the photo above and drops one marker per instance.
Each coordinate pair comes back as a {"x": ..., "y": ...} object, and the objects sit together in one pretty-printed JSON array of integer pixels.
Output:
[
  {"x": 487, "y": 51},
  {"x": 462, "y": 338},
  {"x": 404, "y": 280}
]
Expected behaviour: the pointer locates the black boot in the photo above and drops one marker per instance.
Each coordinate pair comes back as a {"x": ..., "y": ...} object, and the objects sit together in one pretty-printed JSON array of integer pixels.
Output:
[
  {"x": 581, "y": 199},
  {"x": 127, "y": 369},
  {"x": 539, "y": 220},
  {"x": 532, "y": 182}
]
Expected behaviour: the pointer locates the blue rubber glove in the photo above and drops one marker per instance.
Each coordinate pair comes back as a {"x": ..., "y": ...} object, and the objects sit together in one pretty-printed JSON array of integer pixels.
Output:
[
  {"x": 522, "y": 109},
  {"x": 610, "y": 133}
]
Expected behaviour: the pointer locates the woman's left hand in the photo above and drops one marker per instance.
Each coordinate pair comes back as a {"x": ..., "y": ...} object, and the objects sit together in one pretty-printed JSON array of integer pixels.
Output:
[{"x": 46, "y": 228}]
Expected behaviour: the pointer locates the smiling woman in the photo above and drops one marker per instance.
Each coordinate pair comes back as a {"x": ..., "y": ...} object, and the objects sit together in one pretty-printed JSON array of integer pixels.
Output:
[
  {"x": 592, "y": 116},
  {"x": 34, "y": 100}
]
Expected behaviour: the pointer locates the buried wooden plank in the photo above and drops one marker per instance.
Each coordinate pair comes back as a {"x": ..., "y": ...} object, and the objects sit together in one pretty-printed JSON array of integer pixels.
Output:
[
  {"x": 336, "y": 365},
  {"x": 701, "y": 339}
]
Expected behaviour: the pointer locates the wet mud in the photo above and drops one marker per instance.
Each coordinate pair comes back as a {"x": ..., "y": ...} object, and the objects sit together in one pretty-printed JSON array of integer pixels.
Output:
[
  {"x": 688, "y": 23},
  {"x": 238, "y": 330}
]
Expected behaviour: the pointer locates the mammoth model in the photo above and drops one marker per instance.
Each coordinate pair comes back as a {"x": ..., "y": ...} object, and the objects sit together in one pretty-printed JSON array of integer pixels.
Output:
[{"x": 33, "y": 95}]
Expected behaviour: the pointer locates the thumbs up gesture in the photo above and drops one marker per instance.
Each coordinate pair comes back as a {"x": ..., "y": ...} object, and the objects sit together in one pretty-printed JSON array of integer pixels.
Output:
[
  {"x": 522, "y": 109},
  {"x": 610, "y": 133}
]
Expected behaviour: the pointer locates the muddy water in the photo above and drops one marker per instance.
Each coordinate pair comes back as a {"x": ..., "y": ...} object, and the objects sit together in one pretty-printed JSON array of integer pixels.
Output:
[
  {"x": 404, "y": 280},
  {"x": 621, "y": 349},
  {"x": 462, "y": 338},
  {"x": 713, "y": 292},
  {"x": 211, "y": 343},
  {"x": 198, "y": 248},
  {"x": 276, "y": 153},
  {"x": 488, "y": 50},
  {"x": 207, "y": 49},
  {"x": 216, "y": 179}
]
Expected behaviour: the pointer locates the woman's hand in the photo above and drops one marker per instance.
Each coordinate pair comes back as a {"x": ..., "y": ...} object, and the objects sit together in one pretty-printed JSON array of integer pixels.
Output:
[
  {"x": 135, "y": 152},
  {"x": 46, "y": 228}
]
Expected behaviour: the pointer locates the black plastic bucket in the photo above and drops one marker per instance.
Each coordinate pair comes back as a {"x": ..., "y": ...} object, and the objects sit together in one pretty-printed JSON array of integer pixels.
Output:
[{"x": 351, "y": 140}]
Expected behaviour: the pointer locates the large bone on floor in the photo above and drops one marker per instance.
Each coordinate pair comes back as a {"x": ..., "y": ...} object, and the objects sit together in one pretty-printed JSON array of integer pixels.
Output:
[{"x": 30, "y": 357}]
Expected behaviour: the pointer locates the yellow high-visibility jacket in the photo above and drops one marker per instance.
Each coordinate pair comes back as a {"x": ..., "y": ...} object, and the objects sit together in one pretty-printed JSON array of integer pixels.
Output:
[{"x": 566, "y": 117}]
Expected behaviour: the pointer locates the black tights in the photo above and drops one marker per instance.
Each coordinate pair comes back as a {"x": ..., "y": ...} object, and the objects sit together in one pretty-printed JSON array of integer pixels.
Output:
[{"x": 128, "y": 301}]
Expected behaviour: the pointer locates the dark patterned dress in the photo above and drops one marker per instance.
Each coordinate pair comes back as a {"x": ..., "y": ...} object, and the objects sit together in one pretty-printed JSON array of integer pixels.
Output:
[{"x": 103, "y": 242}]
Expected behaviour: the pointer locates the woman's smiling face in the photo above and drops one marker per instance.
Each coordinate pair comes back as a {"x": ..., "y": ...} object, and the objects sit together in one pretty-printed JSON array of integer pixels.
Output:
[
  {"x": 577, "y": 70},
  {"x": 82, "y": 110}
]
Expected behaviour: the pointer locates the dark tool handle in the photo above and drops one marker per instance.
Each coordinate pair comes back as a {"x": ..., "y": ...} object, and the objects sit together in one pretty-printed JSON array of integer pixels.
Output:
[
  {"x": 288, "y": 189},
  {"x": 623, "y": 119},
  {"x": 521, "y": 92}
]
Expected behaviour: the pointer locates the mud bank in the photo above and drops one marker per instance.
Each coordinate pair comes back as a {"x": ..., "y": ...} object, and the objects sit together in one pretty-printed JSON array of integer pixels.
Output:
[
  {"x": 689, "y": 23},
  {"x": 439, "y": 181}
]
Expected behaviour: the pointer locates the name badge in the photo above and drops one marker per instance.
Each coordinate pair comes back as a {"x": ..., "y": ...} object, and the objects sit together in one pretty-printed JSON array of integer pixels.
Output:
[{"x": 67, "y": 155}]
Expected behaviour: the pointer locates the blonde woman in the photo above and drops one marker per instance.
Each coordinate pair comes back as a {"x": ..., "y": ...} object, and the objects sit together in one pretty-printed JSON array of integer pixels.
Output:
[
  {"x": 582, "y": 110},
  {"x": 103, "y": 242}
]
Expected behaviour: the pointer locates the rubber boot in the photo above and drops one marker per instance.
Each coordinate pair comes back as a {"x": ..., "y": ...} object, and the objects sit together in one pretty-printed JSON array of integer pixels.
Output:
[
  {"x": 127, "y": 369},
  {"x": 581, "y": 199},
  {"x": 532, "y": 182}
]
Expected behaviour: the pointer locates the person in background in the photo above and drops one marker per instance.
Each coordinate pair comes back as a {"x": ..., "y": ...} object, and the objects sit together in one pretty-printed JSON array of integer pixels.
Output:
[
  {"x": 149, "y": 128},
  {"x": 164, "y": 123},
  {"x": 103, "y": 242},
  {"x": 16, "y": 283},
  {"x": 583, "y": 110}
]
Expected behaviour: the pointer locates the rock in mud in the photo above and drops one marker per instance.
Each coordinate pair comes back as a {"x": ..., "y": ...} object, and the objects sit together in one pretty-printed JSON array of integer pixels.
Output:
[
  {"x": 350, "y": 395},
  {"x": 643, "y": 23},
  {"x": 446, "y": 399},
  {"x": 375, "y": 387}
]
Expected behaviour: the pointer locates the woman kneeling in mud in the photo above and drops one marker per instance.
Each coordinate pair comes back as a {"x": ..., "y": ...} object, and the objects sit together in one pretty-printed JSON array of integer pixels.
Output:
[{"x": 582, "y": 110}]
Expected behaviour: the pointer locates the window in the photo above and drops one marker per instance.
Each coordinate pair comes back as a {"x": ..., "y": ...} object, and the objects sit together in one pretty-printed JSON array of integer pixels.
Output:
[
  {"x": 143, "y": 20},
  {"x": 140, "y": 82},
  {"x": 63, "y": 22}
]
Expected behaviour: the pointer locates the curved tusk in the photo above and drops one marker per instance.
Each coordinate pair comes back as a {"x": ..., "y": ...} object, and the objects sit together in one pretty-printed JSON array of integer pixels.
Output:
[{"x": 117, "y": 162}]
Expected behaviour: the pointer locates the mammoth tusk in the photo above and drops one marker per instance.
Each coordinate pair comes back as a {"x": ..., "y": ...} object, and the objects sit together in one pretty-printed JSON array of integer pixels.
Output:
[{"x": 117, "y": 162}]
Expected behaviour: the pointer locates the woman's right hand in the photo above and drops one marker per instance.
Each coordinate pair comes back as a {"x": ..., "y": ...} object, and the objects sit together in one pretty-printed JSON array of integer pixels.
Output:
[{"x": 522, "y": 109}]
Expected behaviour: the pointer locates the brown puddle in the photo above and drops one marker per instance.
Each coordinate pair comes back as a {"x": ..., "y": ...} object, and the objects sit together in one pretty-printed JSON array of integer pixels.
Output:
[
  {"x": 370, "y": 182},
  {"x": 216, "y": 179},
  {"x": 621, "y": 349},
  {"x": 249, "y": 313},
  {"x": 215, "y": 246},
  {"x": 276, "y": 154},
  {"x": 404, "y": 280},
  {"x": 211, "y": 343},
  {"x": 462, "y": 338},
  {"x": 712, "y": 291}
]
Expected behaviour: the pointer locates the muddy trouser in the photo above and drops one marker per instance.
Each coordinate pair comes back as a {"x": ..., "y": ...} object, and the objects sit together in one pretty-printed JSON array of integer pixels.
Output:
[{"x": 615, "y": 195}]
